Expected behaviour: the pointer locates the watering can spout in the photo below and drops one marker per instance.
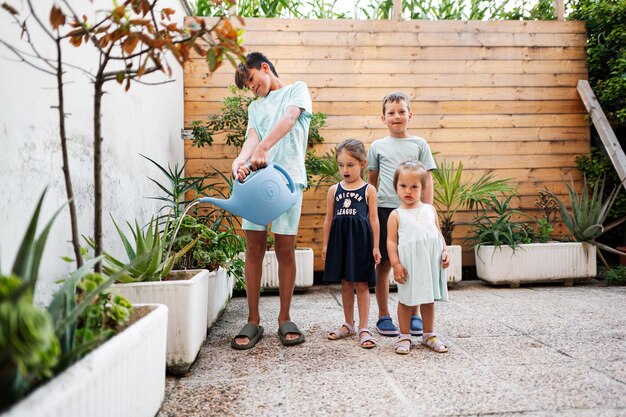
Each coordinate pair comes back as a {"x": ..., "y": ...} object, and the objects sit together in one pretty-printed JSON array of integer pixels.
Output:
[
  {"x": 261, "y": 197},
  {"x": 227, "y": 205}
]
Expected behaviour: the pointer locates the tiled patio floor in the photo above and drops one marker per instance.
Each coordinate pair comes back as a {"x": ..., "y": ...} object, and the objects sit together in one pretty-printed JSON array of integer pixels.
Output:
[{"x": 541, "y": 350}]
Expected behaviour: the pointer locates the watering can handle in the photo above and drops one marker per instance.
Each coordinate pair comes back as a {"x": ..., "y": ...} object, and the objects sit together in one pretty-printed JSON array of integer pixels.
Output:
[{"x": 292, "y": 187}]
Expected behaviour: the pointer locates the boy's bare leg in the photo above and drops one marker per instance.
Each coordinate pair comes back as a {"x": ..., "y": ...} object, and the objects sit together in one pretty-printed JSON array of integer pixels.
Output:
[
  {"x": 382, "y": 288},
  {"x": 256, "y": 244},
  {"x": 286, "y": 256}
]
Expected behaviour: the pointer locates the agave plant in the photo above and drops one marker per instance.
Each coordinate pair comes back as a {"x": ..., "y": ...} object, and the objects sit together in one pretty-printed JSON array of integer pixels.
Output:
[
  {"x": 150, "y": 259},
  {"x": 589, "y": 212},
  {"x": 451, "y": 193}
]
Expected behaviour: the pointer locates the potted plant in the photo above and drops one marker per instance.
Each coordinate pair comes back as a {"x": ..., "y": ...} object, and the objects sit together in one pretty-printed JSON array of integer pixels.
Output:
[
  {"x": 86, "y": 340},
  {"x": 589, "y": 212},
  {"x": 150, "y": 279},
  {"x": 509, "y": 252},
  {"x": 217, "y": 247},
  {"x": 451, "y": 194}
]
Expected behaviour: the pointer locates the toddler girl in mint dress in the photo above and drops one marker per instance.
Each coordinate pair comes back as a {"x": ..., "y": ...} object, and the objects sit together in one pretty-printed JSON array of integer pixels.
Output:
[{"x": 418, "y": 256}]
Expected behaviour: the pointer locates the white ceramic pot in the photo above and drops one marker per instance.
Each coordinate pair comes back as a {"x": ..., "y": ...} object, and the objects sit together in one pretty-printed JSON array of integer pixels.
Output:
[
  {"x": 125, "y": 377},
  {"x": 304, "y": 269},
  {"x": 187, "y": 300},
  {"x": 221, "y": 285},
  {"x": 536, "y": 262}
]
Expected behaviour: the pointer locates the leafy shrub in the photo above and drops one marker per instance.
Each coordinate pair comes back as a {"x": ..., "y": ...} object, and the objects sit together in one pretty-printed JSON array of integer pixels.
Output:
[
  {"x": 615, "y": 276},
  {"x": 232, "y": 120},
  {"x": 606, "y": 62}
]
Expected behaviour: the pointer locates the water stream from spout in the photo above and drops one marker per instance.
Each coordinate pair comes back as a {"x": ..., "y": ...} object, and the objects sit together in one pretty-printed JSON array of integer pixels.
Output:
[{"x": 180, "y": 221}]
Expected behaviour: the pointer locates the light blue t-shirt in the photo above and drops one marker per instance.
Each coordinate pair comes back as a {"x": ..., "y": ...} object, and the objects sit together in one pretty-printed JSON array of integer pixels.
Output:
[
  {"x": 290, "y": 151},
  {"x": 385, "y": 155}
]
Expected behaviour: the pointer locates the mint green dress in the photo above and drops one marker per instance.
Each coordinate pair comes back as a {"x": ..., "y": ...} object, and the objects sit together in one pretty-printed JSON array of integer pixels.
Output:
[{"x": 419, "y": 248}]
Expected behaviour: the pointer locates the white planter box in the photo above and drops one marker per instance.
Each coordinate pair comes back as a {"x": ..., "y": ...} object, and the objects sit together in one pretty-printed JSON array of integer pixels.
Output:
[
  {"x": 536, "y": 262},
  {"x": 125, "y": 377},
  {"x": 221, "y": 285},
  {"x": 186, "y": 298},
  {"x": 304, "y": 269},
  {"x": 454, "y": 272}
]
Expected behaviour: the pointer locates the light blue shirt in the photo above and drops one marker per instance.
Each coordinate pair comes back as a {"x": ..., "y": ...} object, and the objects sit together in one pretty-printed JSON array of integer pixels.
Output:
[
  {"x": 385, "y": 155},
  {"x": 290, "y": 151}
]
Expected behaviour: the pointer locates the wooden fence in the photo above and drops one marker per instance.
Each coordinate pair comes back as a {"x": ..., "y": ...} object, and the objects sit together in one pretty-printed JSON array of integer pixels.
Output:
[{"x": 500, "y": 96}]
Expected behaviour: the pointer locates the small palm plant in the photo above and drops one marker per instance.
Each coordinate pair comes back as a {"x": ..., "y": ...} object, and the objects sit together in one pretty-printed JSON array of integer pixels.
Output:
[
  {"x": 589, "y": 212},
  {"x": 451, "y": 193}
]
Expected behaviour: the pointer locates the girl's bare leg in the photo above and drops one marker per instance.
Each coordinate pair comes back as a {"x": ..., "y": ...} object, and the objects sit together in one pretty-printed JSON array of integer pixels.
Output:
[
  {"x": 363, "y": 301},
  {"x": 428, "y": 317},
  {"x": 404, "y": 318},
  {"x": 347, "y": 300}
]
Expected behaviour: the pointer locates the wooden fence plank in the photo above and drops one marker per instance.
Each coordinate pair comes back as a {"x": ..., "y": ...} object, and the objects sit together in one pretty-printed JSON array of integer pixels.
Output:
[
  {"x": 499, "y": 96},
  {"x": 423, "y": 26},
  {"x": 444, "y": 66}
]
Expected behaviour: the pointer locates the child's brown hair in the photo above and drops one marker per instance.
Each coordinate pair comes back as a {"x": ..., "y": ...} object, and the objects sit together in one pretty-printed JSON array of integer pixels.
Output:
[
  {"x": 396, "y": 98},
  {"x": 354, "y": 148},
  {"x": 410, "y": 166},
  {"x": 253, "y": 60}
]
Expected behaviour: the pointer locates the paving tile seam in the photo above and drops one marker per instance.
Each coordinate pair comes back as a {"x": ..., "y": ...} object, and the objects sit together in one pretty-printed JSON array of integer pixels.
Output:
[{"x": 397, "y": 390}]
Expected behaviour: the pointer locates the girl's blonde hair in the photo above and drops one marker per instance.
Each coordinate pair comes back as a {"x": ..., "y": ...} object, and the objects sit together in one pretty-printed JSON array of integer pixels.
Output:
[
  {"x": 354, "y": 148},
  {"x": 414, "y": 166}
]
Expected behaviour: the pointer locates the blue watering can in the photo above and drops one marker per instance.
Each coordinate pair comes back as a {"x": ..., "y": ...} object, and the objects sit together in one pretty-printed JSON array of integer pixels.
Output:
[{"x": 261, "y": 197}]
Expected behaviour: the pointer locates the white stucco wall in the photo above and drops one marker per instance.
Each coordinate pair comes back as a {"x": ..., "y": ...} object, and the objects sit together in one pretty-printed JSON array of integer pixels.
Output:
[{"x": 145, "y": 120}]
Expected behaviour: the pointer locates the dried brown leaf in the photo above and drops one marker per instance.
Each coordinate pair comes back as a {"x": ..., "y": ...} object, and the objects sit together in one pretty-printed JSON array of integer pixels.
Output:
[
  {"x": 57, "y": 17},
  {"x": 9, "y": 9}
]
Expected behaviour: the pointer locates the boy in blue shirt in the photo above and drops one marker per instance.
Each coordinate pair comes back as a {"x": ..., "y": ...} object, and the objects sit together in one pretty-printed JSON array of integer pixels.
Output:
[
  {"x": 384, "y": 156},
  {"x": 278, "y": 129}
]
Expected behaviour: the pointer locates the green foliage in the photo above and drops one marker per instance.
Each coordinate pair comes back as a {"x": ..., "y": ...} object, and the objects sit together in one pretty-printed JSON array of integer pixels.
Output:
[
  {"x": 499, "y": 229},
  {"x": 606, "y": 60},
  {"x": 322, "y": 169},
  {"x": 151, "y": 258},
  {"x": 615, "y": 276},
  {"x": 178, "y": 185},
  {"x": 597, "y": 165},
  {"x": 232, "y": 121},
  {"x": 37, "y": 343},
  {"x": 383, "y": 9},
  {"x": 212, "y": 249},
  {"x": 452, "y": 194},
  {"x": 589, "y": 212}
]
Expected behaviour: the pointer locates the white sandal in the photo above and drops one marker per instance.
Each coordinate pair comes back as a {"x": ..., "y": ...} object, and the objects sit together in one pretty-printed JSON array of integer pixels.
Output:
[
  {"x": 435, "y": 344},
  {"x": 400, "y": 347},
  {"x": 339, "y": 334},
  {"x": 366, "y": 336}
]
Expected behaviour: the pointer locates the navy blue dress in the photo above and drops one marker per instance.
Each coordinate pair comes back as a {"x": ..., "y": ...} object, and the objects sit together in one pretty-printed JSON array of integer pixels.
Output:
[{"x": 350, "y": 243}]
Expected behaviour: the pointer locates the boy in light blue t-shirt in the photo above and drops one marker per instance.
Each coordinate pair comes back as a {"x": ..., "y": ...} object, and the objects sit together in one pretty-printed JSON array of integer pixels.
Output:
[
  {"x": 278, "y": 129},
  {"x": 383, "y": 158}
]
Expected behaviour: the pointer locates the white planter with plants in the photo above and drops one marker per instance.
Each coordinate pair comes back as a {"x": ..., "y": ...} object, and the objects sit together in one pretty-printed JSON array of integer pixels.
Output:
[
  {"x": 304, "y": 269},
  {"x": 185, "y": 295},
  {"x": 124, "y": 377},
  {"x": 454, "y": 272},
  {"x": 536, "y": 262},
  {"x": 221, "y": 285}
]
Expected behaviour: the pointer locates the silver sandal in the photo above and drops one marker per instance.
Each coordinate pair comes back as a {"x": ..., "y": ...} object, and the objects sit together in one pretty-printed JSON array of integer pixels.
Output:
[
  {"x": 400, "y": 346},
  {"x": 338, "y": 334},
  {"x": 366, "y": 336},
  {"x": 435, "y": 344}
]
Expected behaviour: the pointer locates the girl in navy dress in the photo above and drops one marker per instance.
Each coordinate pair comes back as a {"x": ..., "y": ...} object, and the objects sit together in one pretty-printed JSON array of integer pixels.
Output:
[{"x": 351, "y": 233}]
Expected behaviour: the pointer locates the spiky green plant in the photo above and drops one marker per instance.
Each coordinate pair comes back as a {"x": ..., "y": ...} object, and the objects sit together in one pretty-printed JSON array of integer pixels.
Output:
[
  {"x": 149, "y": 260},
  {"x": 589, "y": 212},
  {"x": 451, "y": 193}
]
